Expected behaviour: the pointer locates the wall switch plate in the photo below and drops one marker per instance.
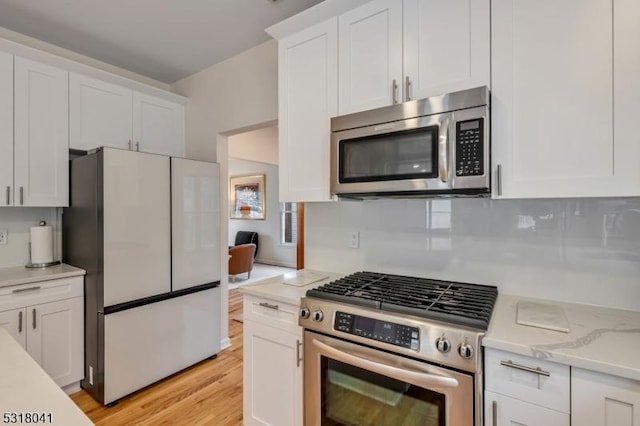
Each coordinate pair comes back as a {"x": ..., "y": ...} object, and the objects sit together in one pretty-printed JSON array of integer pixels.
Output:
[
  {"x": 354, "y": 239},
  {"x": 4, "y": 236}
]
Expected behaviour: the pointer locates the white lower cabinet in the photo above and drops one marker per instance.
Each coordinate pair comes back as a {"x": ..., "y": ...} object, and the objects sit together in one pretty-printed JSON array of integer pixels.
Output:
[
  {"x": 603, "y": 400},
  {"x": 272, "y": 364},
  {"x": 50, "y": 330},
  {"x": 503, "y": 410}
]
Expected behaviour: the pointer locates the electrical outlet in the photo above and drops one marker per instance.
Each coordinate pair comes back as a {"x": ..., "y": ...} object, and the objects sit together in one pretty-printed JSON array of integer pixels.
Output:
[
  {"x": 4, "y": 236},
  {"x": 354, "y": 239}
]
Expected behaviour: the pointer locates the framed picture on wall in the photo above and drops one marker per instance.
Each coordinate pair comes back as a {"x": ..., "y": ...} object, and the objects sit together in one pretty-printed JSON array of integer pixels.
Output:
[{"x": 247, "y": 197}]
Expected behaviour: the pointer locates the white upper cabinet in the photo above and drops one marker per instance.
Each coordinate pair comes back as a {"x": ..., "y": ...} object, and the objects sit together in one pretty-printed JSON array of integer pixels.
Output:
[
  {"x": 392, "y": 51},
  {"x": 158, "y": 125},
  {"x": 6, "y": 129},
  {"x": 307, "y": 67},
  {"x": 41, "y": 134},
  {"x": 100, "y": 114},
  {"x": 560, "y": 71}
]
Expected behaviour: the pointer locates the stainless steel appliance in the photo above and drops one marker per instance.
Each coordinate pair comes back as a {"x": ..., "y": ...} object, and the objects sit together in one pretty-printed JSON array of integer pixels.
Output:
[
  {"x": 384, "y": 349},
  {"x": 428, "y": 147},
  {"x": 145, "y": 228}
]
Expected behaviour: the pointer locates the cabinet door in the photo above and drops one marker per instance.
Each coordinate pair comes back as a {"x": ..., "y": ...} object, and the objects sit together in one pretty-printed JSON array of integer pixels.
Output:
[
  {"x": 6, "y": 129},
  {"x": 158, "y": 125},
  {"x": 195, "y": 217},
  {"x": 370, "y": 56},
  {"x": 272, "y": 376},
  {"x": 552, "y": 98},
  {"x": 308, "y": 93},
  {"x": 41, "y": 140},
  {"x": 54, "y": 339},
  {"x": 602, "y": 400},
  {"x": 14, "y": 322},
  {"x": 510, "y": 411},
  {"x": 99, "y": 114},
  {"x": 446, "y": 46}
]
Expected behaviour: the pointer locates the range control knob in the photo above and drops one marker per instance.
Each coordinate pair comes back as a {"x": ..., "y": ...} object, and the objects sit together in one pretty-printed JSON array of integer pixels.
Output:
[
  {"x": 317, "y": 316},
  {"x": 465, "y": 350},
  {"x": 443, "y": 344},
  {"x": 305, "y": 313}
]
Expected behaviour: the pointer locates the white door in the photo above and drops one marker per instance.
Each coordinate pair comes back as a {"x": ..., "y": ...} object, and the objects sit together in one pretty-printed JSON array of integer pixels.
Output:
[
  {"x": 41, "y": 135},
  {"x": 15, "y": 323},
  {"x": 500, "y": 410},
  {"x": 446, "y": 46},
  {"x": 137, "y": 225},
  {"x": 370, "y": 56},
  {"x": 552, "y": 97},
  {"x": 158, "y": 125},
  {"x": 308, "y": 97},
  {"x": 272, "y": 376},
  {"x": 99, "y": 114},
  {"x": 195, "y": 227},
  {"x": 55, "y": 338},
  {"x": 6, "y": 129}
]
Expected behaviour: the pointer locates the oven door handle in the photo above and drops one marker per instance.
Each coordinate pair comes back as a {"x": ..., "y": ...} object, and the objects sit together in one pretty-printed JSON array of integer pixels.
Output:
[
  {"x": 420, "y": 378},
  {"x": 443, "y": 151}
]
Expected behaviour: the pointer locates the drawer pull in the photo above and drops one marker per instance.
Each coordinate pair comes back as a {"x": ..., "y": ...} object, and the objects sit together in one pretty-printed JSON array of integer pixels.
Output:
[
  {"x": 21, "y": 290},
  {"x": 536, "y": 370},
  {"x": 268, "y": 305}
]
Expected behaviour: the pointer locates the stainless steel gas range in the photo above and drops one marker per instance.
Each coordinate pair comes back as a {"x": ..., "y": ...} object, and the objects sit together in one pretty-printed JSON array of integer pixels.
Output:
[{"x": 384, "y": 349}]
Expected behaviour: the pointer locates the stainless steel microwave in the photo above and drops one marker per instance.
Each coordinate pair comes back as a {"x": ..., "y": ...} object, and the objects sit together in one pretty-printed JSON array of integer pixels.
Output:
[{"x": 429, "y": 147}]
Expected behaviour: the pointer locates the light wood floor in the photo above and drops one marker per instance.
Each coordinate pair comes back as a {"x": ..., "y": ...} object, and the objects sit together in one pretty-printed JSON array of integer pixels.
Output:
[{"x": 209, "y": 393}]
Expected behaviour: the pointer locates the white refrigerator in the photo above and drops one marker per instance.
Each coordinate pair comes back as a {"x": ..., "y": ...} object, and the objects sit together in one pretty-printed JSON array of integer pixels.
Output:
[{"x": 145, "y": 227}]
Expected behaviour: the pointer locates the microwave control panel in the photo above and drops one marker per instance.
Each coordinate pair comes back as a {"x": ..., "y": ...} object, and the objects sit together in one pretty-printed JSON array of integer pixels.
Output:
[
  {"x": 470, "y": 147},
  {"x": 382, "y": 331}
]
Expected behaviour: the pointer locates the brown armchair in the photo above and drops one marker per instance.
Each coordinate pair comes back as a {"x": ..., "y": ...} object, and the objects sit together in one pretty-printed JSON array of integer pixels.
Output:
[{"x": 241, "y": 260}]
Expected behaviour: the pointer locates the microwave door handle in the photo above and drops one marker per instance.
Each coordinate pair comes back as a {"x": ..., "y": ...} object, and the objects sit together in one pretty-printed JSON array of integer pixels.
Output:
[
  {"x": 443, "y": 154},
  {"x": 420, "y": 378}
]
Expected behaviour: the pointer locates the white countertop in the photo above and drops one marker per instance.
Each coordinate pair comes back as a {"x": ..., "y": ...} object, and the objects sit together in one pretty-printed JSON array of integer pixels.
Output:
[
  {"x": 20, "y": 275},
  {"x": 600, "y": 339},
  {"x": 275, "y": 289},
  {"x": 26, "y": 388}
]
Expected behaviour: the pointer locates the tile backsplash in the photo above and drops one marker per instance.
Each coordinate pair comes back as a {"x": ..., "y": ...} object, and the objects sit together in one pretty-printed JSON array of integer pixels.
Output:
[
  {"x": 18, "y": 220},
  {"x": 580, "y": 250}
]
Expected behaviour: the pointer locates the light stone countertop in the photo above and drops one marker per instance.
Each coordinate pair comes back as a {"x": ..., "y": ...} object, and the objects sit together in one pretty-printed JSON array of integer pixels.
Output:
[
  {"x": 275, "y": 289},
  {"x": 26, "y": 388},
  {"x": 600, "y": 339},
  {"x": 20, "y": 275}
]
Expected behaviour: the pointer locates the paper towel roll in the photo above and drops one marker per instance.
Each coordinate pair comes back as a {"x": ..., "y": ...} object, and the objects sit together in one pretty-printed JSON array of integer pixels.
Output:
[{"x": 41, "y": 244}]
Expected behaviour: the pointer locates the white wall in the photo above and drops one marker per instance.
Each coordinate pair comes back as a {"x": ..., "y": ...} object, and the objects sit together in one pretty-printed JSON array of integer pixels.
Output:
[
  {"x": 18, "y": 220},
  {"x": 259, "y": 145},
  {"x": 578, "y": 250},
  {"x": 270, "y": 251}
]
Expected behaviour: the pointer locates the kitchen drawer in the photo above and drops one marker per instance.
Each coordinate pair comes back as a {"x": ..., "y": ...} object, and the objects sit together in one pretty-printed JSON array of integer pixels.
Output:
[
  {"x": 500, "y": 410},
  {"x": 550, "y": 391},
  {"x": 14, "y": 297},
  {"x": 272, "y": 313}
]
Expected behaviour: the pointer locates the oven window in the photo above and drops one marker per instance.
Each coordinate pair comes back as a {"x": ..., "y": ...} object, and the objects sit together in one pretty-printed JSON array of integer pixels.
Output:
[
  {"x": 353, "y": 396},
  {"x": 410, "y": 154}
]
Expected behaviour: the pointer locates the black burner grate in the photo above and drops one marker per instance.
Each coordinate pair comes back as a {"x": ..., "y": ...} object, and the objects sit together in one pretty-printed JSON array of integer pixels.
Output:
[{"x": 452, "y": 302}]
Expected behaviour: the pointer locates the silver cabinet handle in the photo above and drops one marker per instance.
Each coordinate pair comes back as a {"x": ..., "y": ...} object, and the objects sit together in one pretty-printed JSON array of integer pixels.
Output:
[
  {"x": 443, "y": 151},
  {"x": 21, "y": 195},
  {"x": 34, "y": 318},
  {"x": 129, "y": 144},
  {"x": 298, "y": 353},
  {"x": 8, "y": 195},
  {"x": 20, "y": 322},
  {"x": 138, "y": 146},
  {"x": 494, "y": 412},
  {"x": 394, "y": 90},
  {"x": 407, "y": 88},
  {"x": 536, "y": 370},
  {"x": 499, "y": 179},
  {"x": 20, "y": 290},
  {"x": 268, "y": 305}
]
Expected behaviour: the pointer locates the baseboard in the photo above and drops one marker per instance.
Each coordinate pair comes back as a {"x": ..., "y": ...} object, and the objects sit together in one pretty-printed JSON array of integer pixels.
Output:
[
  {"x": 225, "y": 343},
  {"x": 275, "y": 263},
  {"x": 71, "y": 388}
]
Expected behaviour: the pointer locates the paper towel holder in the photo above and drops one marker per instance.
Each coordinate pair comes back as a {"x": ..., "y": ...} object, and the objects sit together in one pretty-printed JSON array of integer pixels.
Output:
[{"x": 40, "y": 265}]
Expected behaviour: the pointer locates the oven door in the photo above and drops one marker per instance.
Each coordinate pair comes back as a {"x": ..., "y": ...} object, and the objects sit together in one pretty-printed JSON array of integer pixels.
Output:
[{"x": 350, "y": 384}]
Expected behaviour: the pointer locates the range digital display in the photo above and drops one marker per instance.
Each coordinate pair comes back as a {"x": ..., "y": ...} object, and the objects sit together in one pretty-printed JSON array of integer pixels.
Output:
[{"x": 383, "y": 331}]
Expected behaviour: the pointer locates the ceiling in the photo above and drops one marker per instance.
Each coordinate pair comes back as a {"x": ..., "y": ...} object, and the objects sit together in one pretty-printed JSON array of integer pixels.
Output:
[{"x": 163, "y": 39}]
